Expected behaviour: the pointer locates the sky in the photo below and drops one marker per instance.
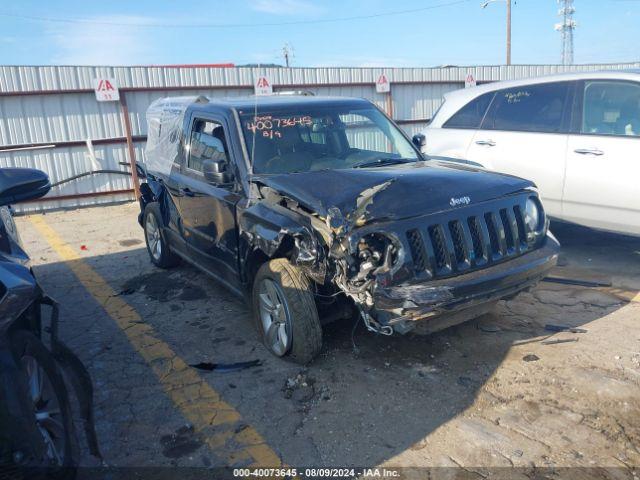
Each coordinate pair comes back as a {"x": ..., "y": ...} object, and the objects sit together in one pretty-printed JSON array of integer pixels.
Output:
[{"x": 320, "y": 33}]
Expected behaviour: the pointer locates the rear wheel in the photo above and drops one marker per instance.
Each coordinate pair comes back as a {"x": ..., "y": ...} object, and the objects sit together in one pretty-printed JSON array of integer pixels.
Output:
[
  {"x": 285, "y": 311},
  {"x": 48, "y": 401},
  {"x": 157, "y": 247}
]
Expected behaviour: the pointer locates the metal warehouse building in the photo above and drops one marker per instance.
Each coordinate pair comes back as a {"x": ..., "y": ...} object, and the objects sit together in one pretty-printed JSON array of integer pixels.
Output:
[{"x": 50, "y": 118}]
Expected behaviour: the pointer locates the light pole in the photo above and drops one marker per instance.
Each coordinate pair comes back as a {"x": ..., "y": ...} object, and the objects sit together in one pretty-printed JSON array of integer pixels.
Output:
[{"x": 484, "y": 5}]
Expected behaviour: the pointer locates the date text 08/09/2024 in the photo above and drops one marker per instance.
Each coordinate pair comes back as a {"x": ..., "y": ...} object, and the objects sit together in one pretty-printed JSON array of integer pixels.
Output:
[{"x": 316, "y": 472}]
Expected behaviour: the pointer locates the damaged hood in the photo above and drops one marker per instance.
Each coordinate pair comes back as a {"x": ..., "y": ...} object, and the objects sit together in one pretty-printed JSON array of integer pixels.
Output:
[{"x": 392, "y": 192}]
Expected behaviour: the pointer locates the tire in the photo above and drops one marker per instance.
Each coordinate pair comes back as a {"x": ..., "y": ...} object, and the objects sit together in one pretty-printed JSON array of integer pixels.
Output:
[
  {"x": 157, "y": 247},
  {"x": 297, "y": 309},
  {"x": 59, "y": 445}
]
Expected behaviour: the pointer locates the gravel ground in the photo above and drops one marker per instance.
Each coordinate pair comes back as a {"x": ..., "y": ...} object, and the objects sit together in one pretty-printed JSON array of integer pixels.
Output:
[{"x": 481, "y": 395}]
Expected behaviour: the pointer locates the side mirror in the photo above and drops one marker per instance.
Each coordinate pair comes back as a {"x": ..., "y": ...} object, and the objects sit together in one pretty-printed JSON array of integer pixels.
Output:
[
  {"x": 20, "y": 184},
  {"x": 419, "y": 140},
  {"x": 142, "y": 173},
  {"x": 215, "y": 171}
]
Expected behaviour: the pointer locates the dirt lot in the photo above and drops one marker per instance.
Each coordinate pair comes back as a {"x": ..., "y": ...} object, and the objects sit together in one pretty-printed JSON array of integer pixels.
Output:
[{"x": 484, "y": 394}]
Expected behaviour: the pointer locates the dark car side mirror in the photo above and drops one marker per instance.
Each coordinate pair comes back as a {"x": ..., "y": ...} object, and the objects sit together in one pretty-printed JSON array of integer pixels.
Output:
[
  {"x": 215, "y": 171},
  {"x": 419, "y": 140},
  {"x": 20, "y": 184}
]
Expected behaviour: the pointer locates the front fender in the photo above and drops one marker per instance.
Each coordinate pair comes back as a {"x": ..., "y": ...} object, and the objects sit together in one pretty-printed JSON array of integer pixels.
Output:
[{"x": 276, "y": 231}]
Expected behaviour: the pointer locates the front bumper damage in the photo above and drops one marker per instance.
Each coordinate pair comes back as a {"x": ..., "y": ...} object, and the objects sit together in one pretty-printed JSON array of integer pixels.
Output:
[{"x": 437, "y": 304}]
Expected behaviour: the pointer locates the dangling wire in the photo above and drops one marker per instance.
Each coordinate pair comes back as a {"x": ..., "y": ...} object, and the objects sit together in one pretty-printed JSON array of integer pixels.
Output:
[{"x": 356, "y": 350}]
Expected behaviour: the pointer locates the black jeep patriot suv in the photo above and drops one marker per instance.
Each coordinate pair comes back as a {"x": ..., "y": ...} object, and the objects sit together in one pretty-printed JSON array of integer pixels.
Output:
[{"x": 321, "y": 208}]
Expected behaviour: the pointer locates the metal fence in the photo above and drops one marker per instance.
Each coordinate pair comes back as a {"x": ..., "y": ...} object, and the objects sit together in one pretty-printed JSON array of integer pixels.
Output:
[{"x": 50, "y": 119}]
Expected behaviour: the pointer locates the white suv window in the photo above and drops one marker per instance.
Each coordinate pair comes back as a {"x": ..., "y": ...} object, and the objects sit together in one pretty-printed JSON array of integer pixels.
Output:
[
  {"x": 471, "y": 114},
  {"x": 529, "y": 108},
  {"x": 611, "y": 108}
]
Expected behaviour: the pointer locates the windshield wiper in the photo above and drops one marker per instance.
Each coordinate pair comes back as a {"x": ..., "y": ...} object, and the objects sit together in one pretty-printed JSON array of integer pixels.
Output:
[{"x": 379, "y": 162}]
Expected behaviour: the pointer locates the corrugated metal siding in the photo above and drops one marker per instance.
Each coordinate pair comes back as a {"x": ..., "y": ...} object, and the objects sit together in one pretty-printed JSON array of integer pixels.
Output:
[
  {"x": 39, "y": 78},
  {"x": 411, "y": 102},
  {"x": 57, "y": 118},
  {"x": 30, "y": 115},
  {"x": 65, "y": 162}
]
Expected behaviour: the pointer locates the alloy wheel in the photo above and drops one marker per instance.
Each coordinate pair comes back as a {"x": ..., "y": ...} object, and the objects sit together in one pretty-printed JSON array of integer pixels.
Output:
[
  {"x": 152, "y": 230},
  {"x": 275, "y": 316},
  {"x": 46, "y": 409}
]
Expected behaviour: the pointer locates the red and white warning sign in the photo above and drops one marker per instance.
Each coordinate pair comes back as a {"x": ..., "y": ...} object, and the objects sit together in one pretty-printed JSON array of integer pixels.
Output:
[
  {"x": 106, "y": 89},
  {"x": 382, "y": 84},
  {"x": 469, "y": 81},
  {"x": 263, "y": 86}
]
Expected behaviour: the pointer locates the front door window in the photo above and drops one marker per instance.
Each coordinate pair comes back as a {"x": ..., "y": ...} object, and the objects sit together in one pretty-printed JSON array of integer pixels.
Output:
[
  {"x": 611, "y": 108},
  {"x": 207, "y": 143}
]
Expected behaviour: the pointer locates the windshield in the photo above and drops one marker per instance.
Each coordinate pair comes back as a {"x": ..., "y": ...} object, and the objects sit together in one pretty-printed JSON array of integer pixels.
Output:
[{"x": 301, "y": 139}]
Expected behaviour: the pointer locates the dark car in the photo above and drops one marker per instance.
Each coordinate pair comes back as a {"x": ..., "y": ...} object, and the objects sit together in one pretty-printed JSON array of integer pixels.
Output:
[
  {"x": 321, "y": 207},
  {"x": 37, "y": 435}
]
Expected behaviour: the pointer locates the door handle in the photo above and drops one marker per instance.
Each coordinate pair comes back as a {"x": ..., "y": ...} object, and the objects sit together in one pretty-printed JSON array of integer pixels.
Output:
[
  {"x": 589, "y": 151},
  {"x": 185, "y": 191},
  {"x": 486, "y": 143}
]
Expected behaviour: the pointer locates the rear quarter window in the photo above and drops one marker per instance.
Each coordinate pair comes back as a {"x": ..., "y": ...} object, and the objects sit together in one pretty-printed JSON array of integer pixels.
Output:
[{"x": 471, "y": 115}]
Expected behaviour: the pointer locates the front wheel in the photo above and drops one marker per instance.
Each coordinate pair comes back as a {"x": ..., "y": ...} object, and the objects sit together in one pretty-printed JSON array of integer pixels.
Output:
[{"x": 285, "y": 311}]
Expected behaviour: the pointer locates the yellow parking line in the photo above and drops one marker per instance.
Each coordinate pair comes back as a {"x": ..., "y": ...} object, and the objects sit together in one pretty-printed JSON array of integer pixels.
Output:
[
  {"x": 200, "y": 404},
  {"x": 624, "y": 294}
]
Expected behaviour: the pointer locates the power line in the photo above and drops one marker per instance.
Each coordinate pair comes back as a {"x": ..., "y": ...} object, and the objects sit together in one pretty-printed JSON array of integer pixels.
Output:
[{"x": 230, "y": 25}]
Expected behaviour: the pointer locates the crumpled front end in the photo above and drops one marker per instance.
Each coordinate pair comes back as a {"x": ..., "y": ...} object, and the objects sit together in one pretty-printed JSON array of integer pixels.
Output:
[
  {"x": 423, "y": 268},
  {"x": 399, "y": 264}
]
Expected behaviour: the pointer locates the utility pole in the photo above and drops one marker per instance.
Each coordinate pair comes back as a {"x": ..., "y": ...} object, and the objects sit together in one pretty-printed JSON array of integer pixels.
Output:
[
  {"x": 287, "y": 52},
  {"x": 508, "y": 2},
  {"x": 566, "y": 28},
  {"x": 508, "y": 32}
]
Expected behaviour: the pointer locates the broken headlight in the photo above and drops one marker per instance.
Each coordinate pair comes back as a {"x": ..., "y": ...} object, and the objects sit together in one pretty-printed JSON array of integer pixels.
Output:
[
  {"x": 534, "y": 219},
  {"x": 377, "y": 253}
]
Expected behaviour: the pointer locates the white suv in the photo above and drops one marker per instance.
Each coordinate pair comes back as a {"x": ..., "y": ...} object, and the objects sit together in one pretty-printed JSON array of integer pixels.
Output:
[{"x": 577, "y": 136}]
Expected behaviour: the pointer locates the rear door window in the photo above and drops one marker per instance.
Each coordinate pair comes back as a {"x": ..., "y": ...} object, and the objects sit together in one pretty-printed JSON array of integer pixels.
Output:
[
  {"x": 471, "y": 114},
  {"x": 611, "y": 108},
  {"x": 529, "y": 108}
]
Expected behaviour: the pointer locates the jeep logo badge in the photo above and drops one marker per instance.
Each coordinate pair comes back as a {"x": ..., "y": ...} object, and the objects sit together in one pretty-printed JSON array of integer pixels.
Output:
[{"x": 454, "y": 202}]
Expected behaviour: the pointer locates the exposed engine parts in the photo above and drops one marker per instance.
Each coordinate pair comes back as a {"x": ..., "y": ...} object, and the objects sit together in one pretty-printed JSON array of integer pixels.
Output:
[
  {"x": 357, "y": 273},
  {"x": 375, "y": 255},
  {"x": 352, "y": 265}
]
